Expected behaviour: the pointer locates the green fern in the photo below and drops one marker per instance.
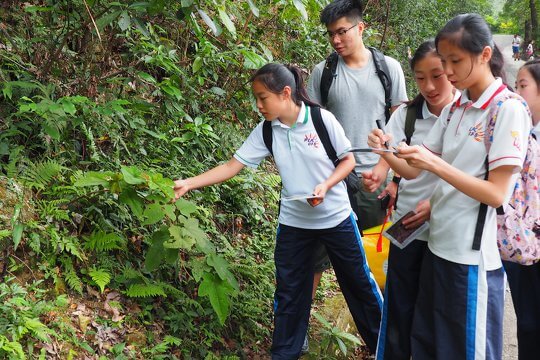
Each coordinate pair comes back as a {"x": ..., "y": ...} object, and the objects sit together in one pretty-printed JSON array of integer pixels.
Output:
[
  {"x": 100, "y": 277},
  {"x": 71, "y": 277},
  {"x": 52, "y": 209},
  {"x": 102, "y": 241},
  {"x": 146, "y": 290},
  {"x": 12, "y": 349},
  {"x": 39, "y": 175}
]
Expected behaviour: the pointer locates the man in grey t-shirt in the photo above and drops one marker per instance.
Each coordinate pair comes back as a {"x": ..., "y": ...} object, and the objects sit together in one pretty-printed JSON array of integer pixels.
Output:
[{"x": 357, "y": 98}]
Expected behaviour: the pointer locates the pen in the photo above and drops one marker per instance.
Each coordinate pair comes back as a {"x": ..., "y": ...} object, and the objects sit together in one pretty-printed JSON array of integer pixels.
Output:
[{"x": 379, "y": 125}]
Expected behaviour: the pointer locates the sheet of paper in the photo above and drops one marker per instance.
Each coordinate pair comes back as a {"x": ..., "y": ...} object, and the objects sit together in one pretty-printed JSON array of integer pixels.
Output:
[{"x": 298, "y": 197}]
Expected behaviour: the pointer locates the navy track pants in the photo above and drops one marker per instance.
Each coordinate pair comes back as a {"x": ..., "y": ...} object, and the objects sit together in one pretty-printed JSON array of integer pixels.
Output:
[{"x": 294, "y": 283}]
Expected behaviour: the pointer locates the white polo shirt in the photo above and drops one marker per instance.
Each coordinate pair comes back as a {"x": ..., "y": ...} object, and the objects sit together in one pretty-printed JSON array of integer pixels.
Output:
[
  {"x": 302, "y": 163},
  {"x": 414, "y": 190},
  {"x": 460, "y": 142}
]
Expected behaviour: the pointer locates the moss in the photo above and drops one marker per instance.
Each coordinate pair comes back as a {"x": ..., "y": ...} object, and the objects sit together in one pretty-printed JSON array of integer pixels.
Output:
[{"x": 12, "y": 194}]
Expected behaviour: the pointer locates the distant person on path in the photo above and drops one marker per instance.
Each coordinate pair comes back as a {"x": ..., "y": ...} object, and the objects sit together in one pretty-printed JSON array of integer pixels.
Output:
[
  {"x": 524, "y": 280},
  {"x": 516, "y": 42},
  {"x": 402, "y": 278},
  {"x": 357, "y": 98},
  {"x": 305, "y": 169},
  {"x": 460, "y": 304}
]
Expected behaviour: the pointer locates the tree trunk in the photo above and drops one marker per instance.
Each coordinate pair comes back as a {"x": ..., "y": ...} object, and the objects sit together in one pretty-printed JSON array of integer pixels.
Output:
[{"x": 534, "y": 20}]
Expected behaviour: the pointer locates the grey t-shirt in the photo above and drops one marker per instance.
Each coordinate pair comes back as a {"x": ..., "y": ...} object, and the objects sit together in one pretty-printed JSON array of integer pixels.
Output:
[{"x": 356, "y": 98}]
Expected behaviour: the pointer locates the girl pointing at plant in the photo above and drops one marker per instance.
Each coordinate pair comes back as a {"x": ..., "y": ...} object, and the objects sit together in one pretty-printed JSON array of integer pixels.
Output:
[{"x": 325, "y": 216}]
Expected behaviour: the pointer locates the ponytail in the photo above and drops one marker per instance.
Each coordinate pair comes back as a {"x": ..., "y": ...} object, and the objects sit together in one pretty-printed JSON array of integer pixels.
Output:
[
  {"x": 496, "y": 64},
  {"x": 301, "y": 93},
  {"x": 276, "y": 76}
]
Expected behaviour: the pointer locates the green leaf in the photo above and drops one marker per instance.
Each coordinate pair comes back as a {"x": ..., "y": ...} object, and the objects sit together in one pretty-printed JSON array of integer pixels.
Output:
[
  {"x": 100, "y": 277},
  {"x": 153, "y": 214},
  {"x": 222, "y": 269},
  {"x": 342, "y": 346},
  {"x": 186, "y": 208},
  {"x": 69, "y": 107},
  {"x": 17, "y": 234},
  {"x": 301, "y": 8},
  {"x": 107, "y": 19},
  {"x": 165, "y": 185},
  {"x": 93, "y": 178},
  {"x": 168, "y": 209},
  {"x": 37, "y": 328},
  {"x": 146, "y": 77},
  {"x": 218, "y": 292},
  {"x": 179, "y": 239},
  {"x": 254, "y": 8},
  {"x": 154, "y": 255},
  {"x": 51, "y": 131},
  {"x": 197, "y": 64},
  {"x": 133, "y": 175},
  {"x": 124, "y": 22},
  {"x": 208, "y": 21},
  {"x": 226, "y": 20},
  {"x": 130, "y": 197}
]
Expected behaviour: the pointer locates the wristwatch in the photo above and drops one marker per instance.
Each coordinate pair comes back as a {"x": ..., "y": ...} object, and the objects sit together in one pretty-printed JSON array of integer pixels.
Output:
[{"x": 396, "y": 179}]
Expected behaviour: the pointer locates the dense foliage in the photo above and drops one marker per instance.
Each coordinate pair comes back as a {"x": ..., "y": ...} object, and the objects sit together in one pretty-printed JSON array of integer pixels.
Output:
[{"x": 103, "y": 103}]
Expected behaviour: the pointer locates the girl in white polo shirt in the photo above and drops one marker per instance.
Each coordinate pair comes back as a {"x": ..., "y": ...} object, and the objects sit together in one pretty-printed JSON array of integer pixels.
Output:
[
  {"x": 403, "y": 275},
  {"x": 305, "y": 168},
  {"x": 459, "y": 309},
  {"x": 524, "y": 280}
]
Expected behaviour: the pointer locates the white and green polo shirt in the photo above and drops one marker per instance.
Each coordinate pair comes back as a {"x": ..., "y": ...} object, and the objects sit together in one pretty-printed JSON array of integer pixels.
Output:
[{"x": 302, "y": 164}]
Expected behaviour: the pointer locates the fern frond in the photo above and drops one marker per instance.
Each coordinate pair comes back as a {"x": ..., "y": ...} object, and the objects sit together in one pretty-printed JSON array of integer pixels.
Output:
[
  {"x": 52, "y": 209},
  {"x": 102, "y": 241},
  {"x": 100, "y": 277},
  {"x": 39, "y": 175},
  {"x": 70, "y": 275},
  {"x": 146, "y": 290}
]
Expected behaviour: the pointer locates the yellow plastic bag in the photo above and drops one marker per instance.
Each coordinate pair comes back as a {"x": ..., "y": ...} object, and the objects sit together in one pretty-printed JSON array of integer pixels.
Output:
[{"x": 377, "y": 260}]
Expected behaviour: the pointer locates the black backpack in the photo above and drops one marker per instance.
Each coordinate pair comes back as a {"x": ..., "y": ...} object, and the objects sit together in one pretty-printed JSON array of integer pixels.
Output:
[{"x": 329, "y": 73}]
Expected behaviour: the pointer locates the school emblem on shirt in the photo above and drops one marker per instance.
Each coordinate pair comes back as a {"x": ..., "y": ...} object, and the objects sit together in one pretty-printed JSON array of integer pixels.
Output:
[
  {"x": 312, "y": 140},
  {"x": 516, "y": 142},
  {"x": 476, "y": 132}
]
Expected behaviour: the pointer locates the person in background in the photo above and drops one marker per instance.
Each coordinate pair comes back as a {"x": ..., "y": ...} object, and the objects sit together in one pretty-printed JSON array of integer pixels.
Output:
[
  {"x": 357, "y": 98},
  {"x": 325, "y": 216},
  {"x": 402, "y": 278},
  {"x": 524, "y": 280},
  {"x": 516, "y": 42},
  {"x": 460, "y": 303}
]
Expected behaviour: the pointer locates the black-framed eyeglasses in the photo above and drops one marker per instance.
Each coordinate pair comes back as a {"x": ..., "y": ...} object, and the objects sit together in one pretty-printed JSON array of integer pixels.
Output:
[{"x": 340, "y": 32}]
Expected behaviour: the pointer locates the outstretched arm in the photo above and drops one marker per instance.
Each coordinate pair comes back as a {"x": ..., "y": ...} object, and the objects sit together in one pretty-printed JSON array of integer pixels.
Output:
[{"x": 216, "y": 175}]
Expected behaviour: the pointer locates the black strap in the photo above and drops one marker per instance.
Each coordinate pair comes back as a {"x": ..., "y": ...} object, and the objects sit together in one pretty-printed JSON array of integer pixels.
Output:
[
  {"x": 477, "y": 239},
  {"x": 323, "y": 134},
  {"x": 410, "y": 121},
  {"x": 384, "y": 75},
  {"x": 330, "y": 72},
  {"x": 328, "y": 75},
  {"x": 267, "y": 136}
]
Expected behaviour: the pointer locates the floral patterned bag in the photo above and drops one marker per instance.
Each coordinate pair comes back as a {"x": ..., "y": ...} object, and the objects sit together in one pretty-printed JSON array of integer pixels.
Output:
[{"x": 518, "y": 225}]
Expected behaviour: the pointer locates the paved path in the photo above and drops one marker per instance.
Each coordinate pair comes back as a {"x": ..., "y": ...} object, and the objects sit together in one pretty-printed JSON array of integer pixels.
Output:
[{"x": 504, "y": 42}]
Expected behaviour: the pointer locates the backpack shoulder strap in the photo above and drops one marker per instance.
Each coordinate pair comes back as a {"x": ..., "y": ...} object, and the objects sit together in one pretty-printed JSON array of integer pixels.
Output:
[
  {"x": 384, "y": 75},
  {"x": 267, "y": 135},
  {"x": 494, "y": 107},
  {"x": 410, "y": 121},
  {"x": 323, "y": 134},
  {"x": 328, "y": 75}
]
